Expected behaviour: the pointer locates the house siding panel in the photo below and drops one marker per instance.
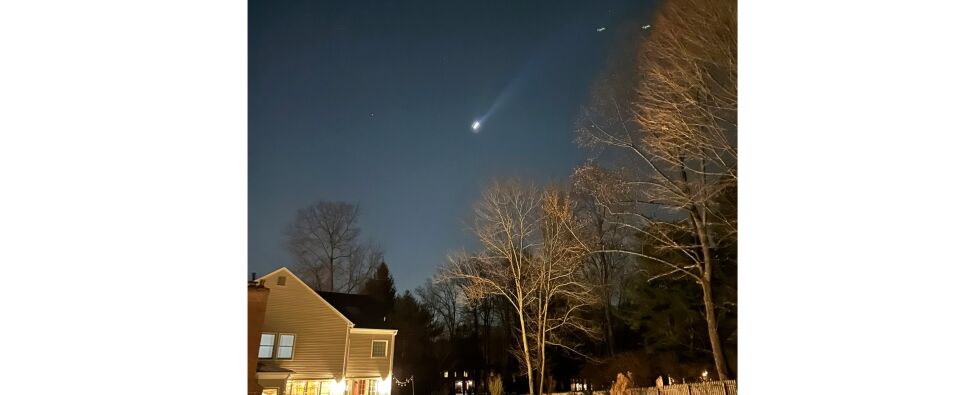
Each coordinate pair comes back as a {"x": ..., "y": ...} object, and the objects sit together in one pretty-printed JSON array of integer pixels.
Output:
[
  {"x": 360, "y": 363},
  {"x": 321, "y": 332}
]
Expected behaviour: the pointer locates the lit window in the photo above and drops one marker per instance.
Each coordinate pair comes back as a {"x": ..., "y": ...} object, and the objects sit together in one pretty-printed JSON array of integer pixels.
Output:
[
  {"x": 379, "y": 348},
  {"x": 313, "y": 388},
  {"x": 445, "y": 374},
  {"x": 265, "y": 345},
  {"x": 285, "y": 349}
]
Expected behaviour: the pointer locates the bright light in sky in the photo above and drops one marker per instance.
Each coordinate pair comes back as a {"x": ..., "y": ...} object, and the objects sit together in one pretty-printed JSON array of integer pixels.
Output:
[{"x": 476, "y": 125}]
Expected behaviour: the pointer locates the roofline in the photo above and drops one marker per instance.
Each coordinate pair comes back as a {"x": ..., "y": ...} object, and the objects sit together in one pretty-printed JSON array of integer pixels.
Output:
[
  {"x": 320, "y": 298},
  {"x": 374, "y": 330}
]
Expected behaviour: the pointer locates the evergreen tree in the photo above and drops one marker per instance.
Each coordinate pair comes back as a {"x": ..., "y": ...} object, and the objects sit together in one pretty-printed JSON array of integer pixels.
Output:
[
  {"x": 381, "y": 287},
  {"x": 415, "y": 354}
]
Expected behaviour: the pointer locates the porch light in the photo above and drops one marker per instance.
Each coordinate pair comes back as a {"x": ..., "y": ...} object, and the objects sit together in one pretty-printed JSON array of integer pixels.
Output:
[
  {"x": 337, "y": 387},
  {"x": 384, "y": 386}
]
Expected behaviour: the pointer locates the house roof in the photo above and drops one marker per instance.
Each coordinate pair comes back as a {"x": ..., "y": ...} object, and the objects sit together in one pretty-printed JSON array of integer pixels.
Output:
[{"x": 362, "y": 310}]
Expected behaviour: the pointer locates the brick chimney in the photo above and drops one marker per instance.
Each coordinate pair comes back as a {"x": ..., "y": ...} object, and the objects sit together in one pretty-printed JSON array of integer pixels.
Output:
[{"x": 258, "y": 295}]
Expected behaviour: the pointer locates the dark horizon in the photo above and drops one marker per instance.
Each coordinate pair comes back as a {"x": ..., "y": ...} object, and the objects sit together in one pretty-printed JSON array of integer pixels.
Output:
[{"x": 371, "y": 103}]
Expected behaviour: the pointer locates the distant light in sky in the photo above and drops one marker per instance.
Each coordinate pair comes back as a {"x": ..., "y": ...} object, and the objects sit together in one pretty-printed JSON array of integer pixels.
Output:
[{"x": 476, "y": 125}]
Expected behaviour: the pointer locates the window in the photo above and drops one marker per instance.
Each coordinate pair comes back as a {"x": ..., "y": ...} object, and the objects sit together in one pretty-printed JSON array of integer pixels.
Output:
[
  {"x": 296, "y": 387},
  {"x": 281, "y": 280},
  {"x": 306, "y": 387},
  {"x": 313, "y": 388},
  {"x": 265, "y": 345},
  {"x": 372, "y": 387},
  {"x": 285, "y": 350},
  {"x": 379, "y": 348}
]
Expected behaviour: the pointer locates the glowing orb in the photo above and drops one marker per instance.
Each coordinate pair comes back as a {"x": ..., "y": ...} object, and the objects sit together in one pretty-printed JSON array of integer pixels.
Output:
[{"x": 476, "y": 125}]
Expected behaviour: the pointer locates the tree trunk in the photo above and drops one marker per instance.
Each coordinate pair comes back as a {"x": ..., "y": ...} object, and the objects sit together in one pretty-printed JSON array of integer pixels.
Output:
[
  {"x": 607, "y": 302},
  {"x": 698, "y": 218},
  {"x": 709, "y": 315},
  {"x": 542, "y": 324},
  {"x": 527, "y": 354},
  {"x": 541, "y": 360},
  {"x": 331, "y": 274},
  {"x": 609, "y": 327}
]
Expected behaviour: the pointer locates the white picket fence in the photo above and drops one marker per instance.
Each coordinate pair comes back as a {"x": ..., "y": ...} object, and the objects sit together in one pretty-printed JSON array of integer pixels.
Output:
[{"x": 727, "y": 387}]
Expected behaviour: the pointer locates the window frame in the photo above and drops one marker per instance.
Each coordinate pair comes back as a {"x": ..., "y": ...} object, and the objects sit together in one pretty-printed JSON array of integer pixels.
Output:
[
  {"x": 292, "y": 347},
  {"x": 272, "y": 353},
  {"x": 372, "y": 348}
]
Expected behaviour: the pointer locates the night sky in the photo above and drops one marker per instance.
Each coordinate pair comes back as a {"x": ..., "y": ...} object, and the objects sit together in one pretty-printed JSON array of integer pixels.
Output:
[{"x": 371, "y": 102}]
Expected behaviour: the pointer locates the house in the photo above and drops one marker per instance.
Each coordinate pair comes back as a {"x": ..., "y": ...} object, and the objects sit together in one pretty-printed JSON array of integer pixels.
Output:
[{"x": 322, "y": 343}]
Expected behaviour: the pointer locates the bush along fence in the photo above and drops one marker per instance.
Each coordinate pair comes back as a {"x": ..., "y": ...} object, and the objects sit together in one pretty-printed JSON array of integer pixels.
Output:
[{"x": 726, "y": 387}]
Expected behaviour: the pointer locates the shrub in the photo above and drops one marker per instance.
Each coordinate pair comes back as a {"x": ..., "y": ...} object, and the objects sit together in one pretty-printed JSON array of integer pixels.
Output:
[
  {"x": 496, "y": 384},
  {"x": 622, "y": 384}
]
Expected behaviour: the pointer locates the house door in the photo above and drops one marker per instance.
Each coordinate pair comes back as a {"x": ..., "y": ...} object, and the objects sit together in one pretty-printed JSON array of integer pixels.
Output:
[
  {"x": 357, "y": 387},
  {"x": 363, "y": 387}
]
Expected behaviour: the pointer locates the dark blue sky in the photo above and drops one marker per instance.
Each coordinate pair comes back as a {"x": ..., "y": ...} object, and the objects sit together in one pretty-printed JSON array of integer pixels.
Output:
[{"x": 371, "y": 102}]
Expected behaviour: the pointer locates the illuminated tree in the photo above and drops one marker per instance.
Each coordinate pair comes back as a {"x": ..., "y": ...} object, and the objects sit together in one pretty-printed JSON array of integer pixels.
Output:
[
  {"x": 675, "y": 137},
  {"x": 532, "y": 261}
]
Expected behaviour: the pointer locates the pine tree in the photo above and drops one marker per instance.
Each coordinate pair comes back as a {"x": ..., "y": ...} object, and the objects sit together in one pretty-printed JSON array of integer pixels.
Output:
[{"x": 381, "y": 287}]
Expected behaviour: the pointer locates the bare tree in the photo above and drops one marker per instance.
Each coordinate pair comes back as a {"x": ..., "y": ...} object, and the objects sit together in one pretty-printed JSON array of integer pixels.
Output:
[
  {"x": 679, "y": 139},
  {"x": 443, "y": 298},
  {"x": 322, "y": 240},
  {"x": 530, "y": 259},
  {"x": 364, "y": 260},
  {"x": 606, "y": 270}
]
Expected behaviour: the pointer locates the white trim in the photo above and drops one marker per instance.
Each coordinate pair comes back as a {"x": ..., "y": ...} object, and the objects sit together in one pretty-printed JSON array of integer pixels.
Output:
[
  {"x": 343, "y": 372},
  {"x": 272, "y": 355},
  {"x": 318, "y": 297},
  {"x": 271, "y": 375},
  {"x": 311, "y": 377},
  {"x": 292, "y": 351},
  {"x": 391, "y": 359},
  {"x": 386, "y": 342},
  {"x": 372, "y": 331}
]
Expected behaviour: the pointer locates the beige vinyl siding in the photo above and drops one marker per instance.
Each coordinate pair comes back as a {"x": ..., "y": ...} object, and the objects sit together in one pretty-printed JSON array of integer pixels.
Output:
[
  {"x": 320, "y": 331},
  {"x": 359, "y": 361}
]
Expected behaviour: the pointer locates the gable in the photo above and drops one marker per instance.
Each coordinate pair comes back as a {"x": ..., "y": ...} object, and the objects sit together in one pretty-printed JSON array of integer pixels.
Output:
[
  {"x": 290, "y": 281},
  {"x": 319, "y": 331}
]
